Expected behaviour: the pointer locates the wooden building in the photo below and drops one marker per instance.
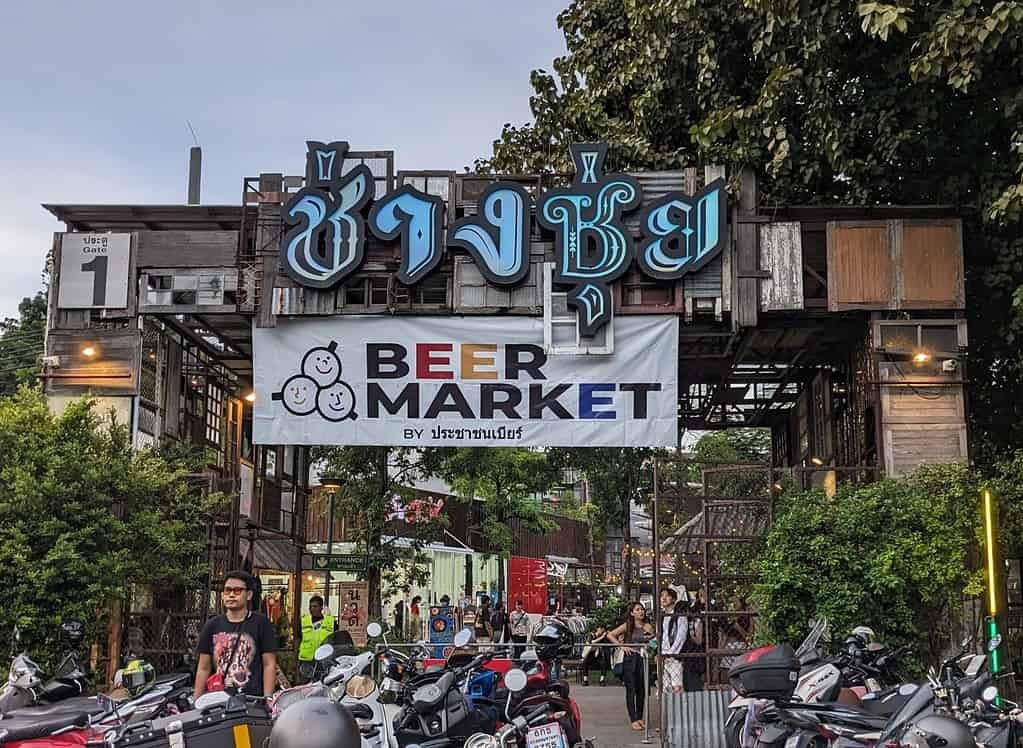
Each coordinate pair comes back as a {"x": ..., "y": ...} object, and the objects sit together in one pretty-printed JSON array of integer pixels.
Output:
[{"x": 841, "y": 329}]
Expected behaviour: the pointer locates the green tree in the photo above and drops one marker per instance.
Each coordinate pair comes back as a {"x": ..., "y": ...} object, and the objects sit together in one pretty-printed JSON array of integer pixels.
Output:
[
  {"x": 83, "y": 517},
  {"x": 893, "y": 555},
  {"x": 616, "y": 478},
  {"x": 829, "y": 102},
  {"x": 509, "y": 481},
  {"x": 21, "y": 343},
  {"x": 375, "y": 482}
]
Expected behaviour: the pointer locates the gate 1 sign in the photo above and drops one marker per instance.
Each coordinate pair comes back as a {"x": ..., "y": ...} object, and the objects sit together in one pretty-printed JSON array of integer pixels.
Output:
[
  {"x": 462, "y": 381},
  {"x": 94, "y": 271}
]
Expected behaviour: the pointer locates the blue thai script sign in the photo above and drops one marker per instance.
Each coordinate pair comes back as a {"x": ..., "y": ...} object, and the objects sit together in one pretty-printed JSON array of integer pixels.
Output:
[{"x": 327, "y": 224}]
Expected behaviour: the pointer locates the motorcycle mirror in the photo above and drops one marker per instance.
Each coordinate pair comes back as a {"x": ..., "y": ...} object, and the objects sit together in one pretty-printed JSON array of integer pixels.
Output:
[
  {"x": 995, "y": 643},
  {"x": 323, "y": 653},
  {"x": 463, "y": 637},
  {"x": 515, "y": 680},
  {"x": 989, "y": 694},
  {"x": 374, "y": 630},
  {"x": 212, "y": 698}
]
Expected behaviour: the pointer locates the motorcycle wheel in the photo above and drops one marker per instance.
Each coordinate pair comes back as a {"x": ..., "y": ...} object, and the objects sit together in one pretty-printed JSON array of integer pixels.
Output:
[{"x": 733, "y": 727}]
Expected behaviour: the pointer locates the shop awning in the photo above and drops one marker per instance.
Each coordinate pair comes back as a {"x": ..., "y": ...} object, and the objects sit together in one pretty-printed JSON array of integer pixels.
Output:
[{"x": 270, "y": 554}]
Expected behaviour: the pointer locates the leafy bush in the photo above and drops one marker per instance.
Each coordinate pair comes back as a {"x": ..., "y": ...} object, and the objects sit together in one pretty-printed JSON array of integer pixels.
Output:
[
  {"x": 83, "y": 516},
  {"x": 893, "y": 555}
]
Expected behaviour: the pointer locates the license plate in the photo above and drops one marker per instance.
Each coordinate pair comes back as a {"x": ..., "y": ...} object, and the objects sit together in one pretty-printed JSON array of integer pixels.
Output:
[
  {"x": 792, "y": 742},
  {"x": 546, "y": 736}
]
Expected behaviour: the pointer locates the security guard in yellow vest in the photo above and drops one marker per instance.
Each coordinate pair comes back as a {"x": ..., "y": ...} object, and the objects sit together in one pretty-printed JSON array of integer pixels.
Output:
[{"x": 316, "y": 628}]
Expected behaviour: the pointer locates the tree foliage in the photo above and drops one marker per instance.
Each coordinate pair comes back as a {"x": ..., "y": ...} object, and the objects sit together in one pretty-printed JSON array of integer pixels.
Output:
[
  {"x": 83, "y": 516},
  {"x": 509, "y": 480},
  {"x": 616, "y": 478},
  {"x": 376, "y": 481},
  {"x": 893, "y": 555},
  {"x": 21, "y": 343},
  {"x": 829, "y": 102}
]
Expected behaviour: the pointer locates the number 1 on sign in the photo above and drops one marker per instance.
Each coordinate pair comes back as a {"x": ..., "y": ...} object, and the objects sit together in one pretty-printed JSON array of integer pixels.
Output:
[{"x": 98, "y": 267}]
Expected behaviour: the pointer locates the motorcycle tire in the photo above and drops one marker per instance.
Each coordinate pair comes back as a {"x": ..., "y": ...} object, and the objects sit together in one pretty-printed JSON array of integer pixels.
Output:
[{"x": 733, "y": 727}]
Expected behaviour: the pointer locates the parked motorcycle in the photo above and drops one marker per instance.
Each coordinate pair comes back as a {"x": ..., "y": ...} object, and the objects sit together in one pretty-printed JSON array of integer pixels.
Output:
[
  {"x": 27, "y": 685},
  {"x": 532, "y": 722}
]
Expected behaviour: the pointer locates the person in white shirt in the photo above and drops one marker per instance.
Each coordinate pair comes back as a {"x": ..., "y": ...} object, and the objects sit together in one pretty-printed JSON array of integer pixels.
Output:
[{"x": 674, "y": 629}]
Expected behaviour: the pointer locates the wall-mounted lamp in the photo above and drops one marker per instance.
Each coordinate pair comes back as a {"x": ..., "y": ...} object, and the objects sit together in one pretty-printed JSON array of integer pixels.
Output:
[
  {"x": 89, "y": 351},
  {"x": 921, "y": 357},
  {"x": 251, "y": 397},
  {"x": 817, "y": 461}
]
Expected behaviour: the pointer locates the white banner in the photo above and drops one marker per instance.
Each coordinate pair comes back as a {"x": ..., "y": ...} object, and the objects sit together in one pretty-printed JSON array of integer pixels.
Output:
[{"x": 462, "y": 381}]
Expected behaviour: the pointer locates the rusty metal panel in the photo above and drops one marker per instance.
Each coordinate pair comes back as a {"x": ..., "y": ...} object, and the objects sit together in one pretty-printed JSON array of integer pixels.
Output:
[
  {"x": 781, "y": 254},
  {"x": 931, "y": 266},
  {"x": 704, "y": 283},
  {"x": 655, "y": 184},
  {"x": 861, "y": 272},
  {"x": 695, "y": 719}
]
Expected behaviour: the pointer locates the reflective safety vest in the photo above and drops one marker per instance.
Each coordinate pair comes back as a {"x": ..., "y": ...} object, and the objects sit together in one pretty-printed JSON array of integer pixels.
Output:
[{"x": 314, "y": 637}]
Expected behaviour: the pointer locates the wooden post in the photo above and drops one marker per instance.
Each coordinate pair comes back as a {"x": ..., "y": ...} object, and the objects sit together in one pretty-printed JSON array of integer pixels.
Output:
[
  {"x": 746, "y": 261},
  {"x": 115, "y": 630},
  {"x": 268, "y": 236}
]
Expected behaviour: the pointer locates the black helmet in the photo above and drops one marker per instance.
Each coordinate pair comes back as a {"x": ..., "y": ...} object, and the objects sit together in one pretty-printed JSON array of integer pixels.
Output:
[
  {"x": 315, "y": 723},
  {"x": 936, "y": 731},
  {"x": 554, "y": 639}
]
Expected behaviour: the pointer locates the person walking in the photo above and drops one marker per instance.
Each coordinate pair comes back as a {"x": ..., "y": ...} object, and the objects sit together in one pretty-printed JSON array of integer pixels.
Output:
[
  {"x": 674, "y": 631},
  {"x": 237, "y": 650},
  {"x": 399, "y": 617},
  {"x": 483, "y": 630},
  {"x": 415, "y": 623},
  {"x": 316, "y": 628},
  {"x": 634, "y": 635},
  {"x": 694, "y": 668},
  {"x": 519, "y": 620},
  {"x": 499, "y": 625}
]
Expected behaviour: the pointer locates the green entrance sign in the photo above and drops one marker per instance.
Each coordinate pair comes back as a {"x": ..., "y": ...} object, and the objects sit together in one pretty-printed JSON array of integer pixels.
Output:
[{"x": 353, "y": 563}]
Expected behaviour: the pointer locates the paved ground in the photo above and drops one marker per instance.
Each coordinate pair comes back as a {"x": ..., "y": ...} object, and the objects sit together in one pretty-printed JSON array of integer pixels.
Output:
[{"x": 605, "y": 718}]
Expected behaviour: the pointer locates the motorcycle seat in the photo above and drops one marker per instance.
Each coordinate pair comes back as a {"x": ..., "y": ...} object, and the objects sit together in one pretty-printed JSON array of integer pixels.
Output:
[
  {"x": 26, "y": 728},
  {"x": 86, "y": 704}
]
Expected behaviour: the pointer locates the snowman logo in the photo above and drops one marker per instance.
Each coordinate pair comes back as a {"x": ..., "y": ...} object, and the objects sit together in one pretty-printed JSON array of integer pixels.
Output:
[{"x": 319, "y": 387}]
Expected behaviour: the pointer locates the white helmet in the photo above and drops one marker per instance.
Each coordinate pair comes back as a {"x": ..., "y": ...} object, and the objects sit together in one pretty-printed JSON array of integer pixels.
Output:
[{"x": 866, "y": 633}]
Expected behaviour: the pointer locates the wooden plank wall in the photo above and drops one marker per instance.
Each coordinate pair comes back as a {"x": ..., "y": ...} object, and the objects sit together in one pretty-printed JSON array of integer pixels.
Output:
[
  {"x": 923, "y": 419},
  {"x": 898, "y": 264},
  {"x": 781, "y": 254},
  {"x": 186, "y": 249},
  {"x": 112, "y": 371}
]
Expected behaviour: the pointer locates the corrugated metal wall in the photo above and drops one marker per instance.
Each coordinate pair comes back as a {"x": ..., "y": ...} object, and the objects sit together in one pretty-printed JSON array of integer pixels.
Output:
[{"x": 696, "y": 719}]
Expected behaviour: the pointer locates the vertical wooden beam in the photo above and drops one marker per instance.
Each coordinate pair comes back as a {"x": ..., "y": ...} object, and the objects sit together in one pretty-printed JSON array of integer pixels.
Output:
[
  {"x": 746, "y": 257},
  {"x": 268, "y": 233},
  {"x": 115, "y": 628}
]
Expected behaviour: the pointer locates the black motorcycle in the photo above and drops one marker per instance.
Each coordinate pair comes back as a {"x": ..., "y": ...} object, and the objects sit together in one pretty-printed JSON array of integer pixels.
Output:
[{"x": 27, "y": 685}]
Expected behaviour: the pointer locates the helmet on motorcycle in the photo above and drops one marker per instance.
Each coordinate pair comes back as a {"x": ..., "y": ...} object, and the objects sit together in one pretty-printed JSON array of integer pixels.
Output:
[
  {"x": 554, "y": 639},
  {"x": 865, "y": 633},
  {"x": 136, "y": 675},
  {"x": 936, "y": 731},
  {"x": 315, "y": 723}
]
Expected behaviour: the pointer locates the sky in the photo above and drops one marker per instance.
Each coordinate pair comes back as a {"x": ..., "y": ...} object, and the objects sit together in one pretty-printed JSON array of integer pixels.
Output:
[{"x": 95, "y": 97}]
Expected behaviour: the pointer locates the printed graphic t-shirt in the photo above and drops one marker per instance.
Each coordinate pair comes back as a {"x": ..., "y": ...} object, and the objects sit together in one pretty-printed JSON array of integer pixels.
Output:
[{"x": 245, "y": 671}]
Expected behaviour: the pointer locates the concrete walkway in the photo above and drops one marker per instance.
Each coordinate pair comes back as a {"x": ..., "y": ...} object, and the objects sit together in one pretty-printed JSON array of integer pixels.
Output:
[{"x": 605, "y": 719}]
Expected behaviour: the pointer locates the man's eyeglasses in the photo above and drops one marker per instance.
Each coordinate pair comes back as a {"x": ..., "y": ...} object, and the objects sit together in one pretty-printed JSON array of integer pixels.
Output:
[{"x": 235, "y": 590}]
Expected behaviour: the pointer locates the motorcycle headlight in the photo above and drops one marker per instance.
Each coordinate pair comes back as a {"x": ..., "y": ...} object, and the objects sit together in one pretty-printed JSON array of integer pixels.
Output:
[
  {"x": 479, "y": 740},
  {"x": 360, "y": 686}
]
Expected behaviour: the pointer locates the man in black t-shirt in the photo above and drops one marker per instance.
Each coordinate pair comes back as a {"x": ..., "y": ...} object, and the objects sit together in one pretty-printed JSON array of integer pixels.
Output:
[{"x": 239, "y": 646}]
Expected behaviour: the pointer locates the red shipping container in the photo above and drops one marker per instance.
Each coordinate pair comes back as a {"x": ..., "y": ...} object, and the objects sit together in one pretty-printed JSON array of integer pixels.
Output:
[{"x": 527, "y": 581}]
